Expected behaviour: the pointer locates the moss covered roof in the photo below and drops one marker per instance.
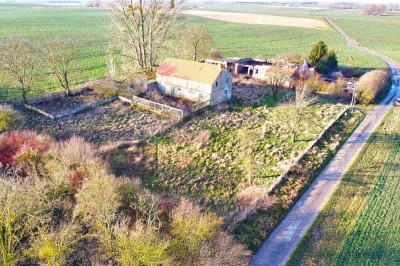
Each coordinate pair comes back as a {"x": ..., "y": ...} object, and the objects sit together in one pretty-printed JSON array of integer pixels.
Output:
[{"x": 189, "y": 70}]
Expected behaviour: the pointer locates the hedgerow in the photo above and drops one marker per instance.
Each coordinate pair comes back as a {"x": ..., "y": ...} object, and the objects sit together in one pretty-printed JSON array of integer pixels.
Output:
[{"x": 72, "y": 211}]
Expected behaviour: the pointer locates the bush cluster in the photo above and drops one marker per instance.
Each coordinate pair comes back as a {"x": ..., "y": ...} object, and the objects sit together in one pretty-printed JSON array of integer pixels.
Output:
[
  {"x": 318, "y": 84},
  {"x": 9, "y": 118},
  {"x": 371, "y": 85},
  {"x": 69, "y": 210}
]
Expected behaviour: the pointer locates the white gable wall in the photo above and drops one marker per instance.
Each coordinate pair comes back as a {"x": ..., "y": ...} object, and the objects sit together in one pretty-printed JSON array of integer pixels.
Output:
[
  {"x": 219, "y": 91},
  {"x": 181, "y": 88},
  {"x": 222, "y": 88}
]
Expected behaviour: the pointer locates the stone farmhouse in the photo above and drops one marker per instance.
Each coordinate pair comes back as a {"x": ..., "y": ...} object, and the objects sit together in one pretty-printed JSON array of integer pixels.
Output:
[{"x": 194, "y": 81}]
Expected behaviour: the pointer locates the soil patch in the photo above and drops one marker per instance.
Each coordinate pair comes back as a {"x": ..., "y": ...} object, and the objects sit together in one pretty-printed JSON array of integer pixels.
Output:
[
  {"x": 258, "y": 19},
  {"x": 68, "y": 103},
  {"x": 109, "y": 123}
]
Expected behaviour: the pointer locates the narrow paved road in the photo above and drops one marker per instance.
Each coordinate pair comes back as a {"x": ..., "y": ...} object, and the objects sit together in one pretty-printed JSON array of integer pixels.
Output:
[{"x": 277, "y": 249}]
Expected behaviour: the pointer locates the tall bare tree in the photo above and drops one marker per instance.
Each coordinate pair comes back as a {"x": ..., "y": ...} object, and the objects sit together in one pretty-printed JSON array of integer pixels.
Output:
[
  {"x": 58, "y": 54},
  {"x": 19, "y": 58},
  {"x": 141, "y": 28},
  {"x": 196, "y": 41}
]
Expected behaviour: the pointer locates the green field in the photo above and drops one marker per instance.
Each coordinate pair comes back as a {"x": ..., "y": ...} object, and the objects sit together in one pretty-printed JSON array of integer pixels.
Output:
[
  {"x": 36, "y": 22},
  {"x": 89, "y": 26},
  {"x": 240, "y": 40},
  {"x": 381, "y": 34},
  {"x": 360, "y": 224}
]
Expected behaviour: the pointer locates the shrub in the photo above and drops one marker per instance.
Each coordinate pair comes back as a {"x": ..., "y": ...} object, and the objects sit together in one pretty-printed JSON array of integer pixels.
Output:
[
  {"x": 54, "y": 247},
  {"x": 108, "y": 88},
  {"x": 223, "y": 250},
  {"x": 371, "y": 85},
  {"x": 73, "y": 162},
  {"x": 292, "y": 57},
  {"x": 191, "y": 229},
  {"x": 214, "y": 54},
  {"x": 22, "y": 208},
  {"x": 97, "y": 203},
  {"x": 22, "y": 147},
  {"x": 9, "y": 119},
  {"x": 139, "y": 246}
]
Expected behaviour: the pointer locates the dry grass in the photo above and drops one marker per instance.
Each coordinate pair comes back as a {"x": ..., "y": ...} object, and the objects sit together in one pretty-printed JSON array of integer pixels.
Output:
[{"x": 257, "y": 19}]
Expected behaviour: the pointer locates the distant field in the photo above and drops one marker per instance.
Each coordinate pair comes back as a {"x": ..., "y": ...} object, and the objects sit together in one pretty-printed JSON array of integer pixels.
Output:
[
  {"x": 240, "y": 40},
  {"x": 258, "y": 19},
  {"x": 89, "y": 26},
  {"x": 35, "y": 22},
  {"x": 381, "y": 34},
  {"x": 360, "y": 224}
]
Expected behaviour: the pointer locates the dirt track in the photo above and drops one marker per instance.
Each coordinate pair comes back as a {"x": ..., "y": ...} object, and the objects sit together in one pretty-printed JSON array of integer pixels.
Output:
[{"x": 258, "y": 19}]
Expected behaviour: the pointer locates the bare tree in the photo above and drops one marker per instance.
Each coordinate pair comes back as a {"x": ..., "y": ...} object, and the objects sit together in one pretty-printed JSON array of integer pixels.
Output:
[
  {"x": 277, "y": 77},
  {"x": 294, "y": 113},
  {"x": 195, "y": 41},
  {"x": 374, "y": 10},
  {"x": 58, "y": 54},
  {"x": 19, "y": 58},
  {"x": 93, "y": 3},
  {"x": 142, "y": 28}
]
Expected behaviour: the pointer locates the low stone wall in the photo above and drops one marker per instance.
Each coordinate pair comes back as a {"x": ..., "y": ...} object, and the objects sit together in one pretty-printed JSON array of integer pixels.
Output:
[
  {"x": 30, "y": 107},
  {"x": 278, "y": 181},
  {"x": 85, "y": 107},
  {"x": 71, "y": 112}
]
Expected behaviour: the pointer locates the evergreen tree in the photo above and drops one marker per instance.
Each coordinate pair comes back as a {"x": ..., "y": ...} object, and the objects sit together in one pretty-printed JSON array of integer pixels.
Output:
[
  {"x": 331, "y": 59},
  {"x": 327, "y": 63},
  {"x": 318, "y": 51}
]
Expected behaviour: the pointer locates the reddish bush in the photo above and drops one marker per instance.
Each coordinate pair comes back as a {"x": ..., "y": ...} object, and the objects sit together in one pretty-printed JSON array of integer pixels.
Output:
[
  {"x": 14, "y": 145},
  {"x": 77, "y": 177}
]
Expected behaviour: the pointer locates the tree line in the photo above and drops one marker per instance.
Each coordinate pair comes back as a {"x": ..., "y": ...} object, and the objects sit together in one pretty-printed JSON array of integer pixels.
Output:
[{"x": 26, "y": 62}]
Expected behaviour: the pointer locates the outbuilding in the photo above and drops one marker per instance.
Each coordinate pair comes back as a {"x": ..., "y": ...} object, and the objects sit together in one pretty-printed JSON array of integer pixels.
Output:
[{"x": 194, "y": 81}]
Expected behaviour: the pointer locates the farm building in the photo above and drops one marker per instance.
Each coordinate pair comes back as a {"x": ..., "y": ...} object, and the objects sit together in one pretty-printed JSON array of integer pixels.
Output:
[
  {"x": 238, "y": 66},
  {"x": 194, "y": 81}
]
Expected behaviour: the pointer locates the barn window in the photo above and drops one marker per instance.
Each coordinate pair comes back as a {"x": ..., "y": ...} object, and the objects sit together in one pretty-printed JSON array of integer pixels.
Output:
[
  {"x": 216, "y": 83},
  {"x": 226, "y": 91}
]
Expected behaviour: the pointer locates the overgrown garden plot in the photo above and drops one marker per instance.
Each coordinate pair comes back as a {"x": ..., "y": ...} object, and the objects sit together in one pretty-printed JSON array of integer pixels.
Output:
[
  {"x": 229, "y": 156},
  {"x": 109, "y": 123},
  {"x": 359, "y": 225}
]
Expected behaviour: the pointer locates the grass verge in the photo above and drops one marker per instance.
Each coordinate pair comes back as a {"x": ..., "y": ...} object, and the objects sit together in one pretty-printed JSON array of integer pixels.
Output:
[{"x": 359, "y": 224}]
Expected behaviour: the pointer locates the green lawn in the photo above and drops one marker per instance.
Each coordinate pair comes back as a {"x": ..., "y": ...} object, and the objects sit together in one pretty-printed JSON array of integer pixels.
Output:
[{"x": 360, "y": 224}]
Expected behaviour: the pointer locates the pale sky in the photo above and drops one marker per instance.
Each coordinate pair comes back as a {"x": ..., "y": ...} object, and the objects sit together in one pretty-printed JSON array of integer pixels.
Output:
[{"x": 330, "y": 1}]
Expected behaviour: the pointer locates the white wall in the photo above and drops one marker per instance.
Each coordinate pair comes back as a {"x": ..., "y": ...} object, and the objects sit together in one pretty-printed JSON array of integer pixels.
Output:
[
  {"x": 222, "y": 88},
  {"x": 181, "y": 88},
  {"x": 219, "y": 91}
]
